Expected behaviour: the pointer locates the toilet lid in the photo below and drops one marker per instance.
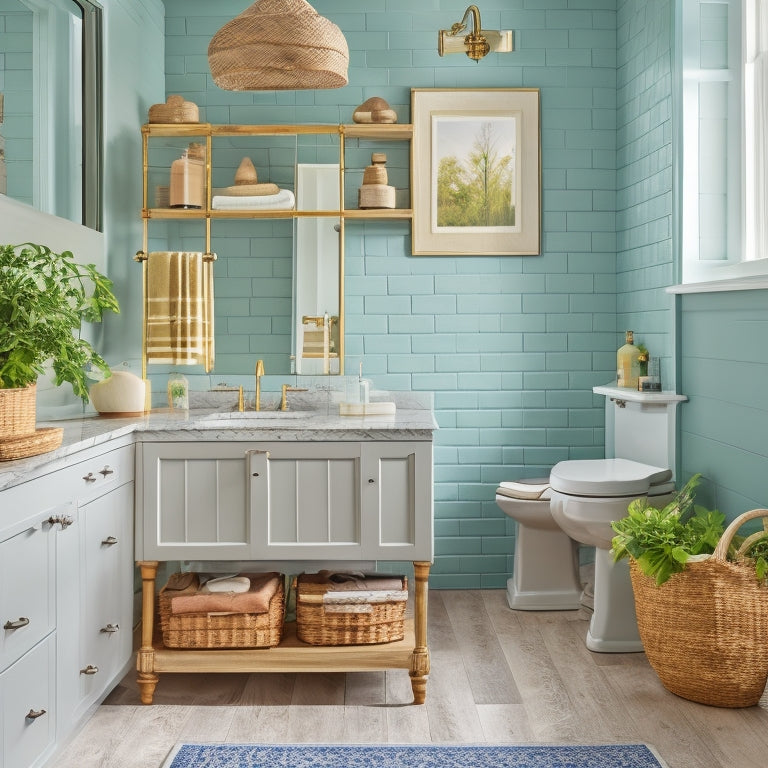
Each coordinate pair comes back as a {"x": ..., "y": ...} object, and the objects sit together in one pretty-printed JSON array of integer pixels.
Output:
[
  {"x": 609, "y": 477},
  {"x": 533, "y": 489}
]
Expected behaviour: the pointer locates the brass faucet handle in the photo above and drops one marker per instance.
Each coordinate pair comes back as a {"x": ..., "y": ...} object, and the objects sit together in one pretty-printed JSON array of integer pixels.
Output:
[
  {"x": 284, "y": 399},
  {"x": 259, "y": 374}
]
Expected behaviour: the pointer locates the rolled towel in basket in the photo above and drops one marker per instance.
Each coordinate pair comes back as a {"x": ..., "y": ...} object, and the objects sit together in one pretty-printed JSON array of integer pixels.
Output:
[{"x": 236, "y": 584}]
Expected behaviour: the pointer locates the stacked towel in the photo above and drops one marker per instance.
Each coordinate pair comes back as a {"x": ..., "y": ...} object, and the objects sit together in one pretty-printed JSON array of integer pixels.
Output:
[
  {"x": 351, "y": 591},
  {"x": 283, "y": 200},
  {"x": 191, "y": 599},
  {"x": 179, "y": 313}
]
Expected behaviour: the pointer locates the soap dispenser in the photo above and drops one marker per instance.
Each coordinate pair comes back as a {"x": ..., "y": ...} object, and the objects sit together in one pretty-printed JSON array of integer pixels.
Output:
[{"x": 628, "y": 363}]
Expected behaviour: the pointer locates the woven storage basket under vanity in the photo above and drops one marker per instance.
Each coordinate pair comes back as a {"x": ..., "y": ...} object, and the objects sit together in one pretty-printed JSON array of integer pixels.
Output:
[
  {"x": 328, "y": 612},
  {"x": 705, "y": 630},
  {"x": 219, "y": 629}
]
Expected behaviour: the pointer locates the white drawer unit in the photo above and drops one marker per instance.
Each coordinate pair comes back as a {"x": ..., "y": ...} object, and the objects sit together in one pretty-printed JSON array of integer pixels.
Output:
[{"x": 27, "y": 706}]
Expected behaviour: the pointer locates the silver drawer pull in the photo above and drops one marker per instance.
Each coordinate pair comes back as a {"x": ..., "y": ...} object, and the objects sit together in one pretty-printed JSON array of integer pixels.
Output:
[
  {"x": 33, "y": 715},
  {"x": 109, "y": 541},
  {"x": 106, "y": 471},
  {"x": 89, "y": 478},
  {"x": 110, "y": 628},
  {"x": 22, "y": 621},
  {"x": 89, "y": 670},
  {"x": 63, "y": 520}
]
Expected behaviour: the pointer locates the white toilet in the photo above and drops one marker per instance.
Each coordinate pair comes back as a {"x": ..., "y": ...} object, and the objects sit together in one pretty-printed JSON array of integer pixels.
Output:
[
  {"x": 587, "y": 495},
  {"x": 546, "y": 566}
]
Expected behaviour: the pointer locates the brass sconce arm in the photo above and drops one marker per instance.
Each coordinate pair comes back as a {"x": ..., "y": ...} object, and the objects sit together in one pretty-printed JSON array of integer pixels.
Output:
[{"x": 476, "y": 43}]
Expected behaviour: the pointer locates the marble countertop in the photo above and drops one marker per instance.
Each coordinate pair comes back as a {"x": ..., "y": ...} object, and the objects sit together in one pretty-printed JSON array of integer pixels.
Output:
[{"x": 209, "y": 425}]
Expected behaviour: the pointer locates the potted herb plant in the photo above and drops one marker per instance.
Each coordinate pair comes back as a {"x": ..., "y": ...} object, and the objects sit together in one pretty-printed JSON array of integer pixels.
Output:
[{"x": 44, "y": 299}]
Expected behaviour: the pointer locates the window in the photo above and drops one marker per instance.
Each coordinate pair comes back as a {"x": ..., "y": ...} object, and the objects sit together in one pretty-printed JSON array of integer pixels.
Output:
[{"x": 724, "y": 148}]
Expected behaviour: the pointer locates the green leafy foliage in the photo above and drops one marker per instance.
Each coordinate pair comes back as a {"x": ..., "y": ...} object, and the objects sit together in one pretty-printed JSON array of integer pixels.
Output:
[
  {"x": 663, "y": 540},
  {"x": 44, "y": 299}
]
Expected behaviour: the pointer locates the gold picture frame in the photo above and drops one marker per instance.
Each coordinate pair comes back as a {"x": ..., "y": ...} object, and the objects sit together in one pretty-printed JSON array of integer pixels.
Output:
[{"x": 476, "y": 171}]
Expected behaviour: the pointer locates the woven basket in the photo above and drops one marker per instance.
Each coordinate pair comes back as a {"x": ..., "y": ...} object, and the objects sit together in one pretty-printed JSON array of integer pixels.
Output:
[
  {"x": 278, "y": 45},
  {"x": 233, "y": 630},
  {"x": 705, "y": 630},
  {"x": 376, "y": 196},
  {"x": 17, "y": 412},
  {"x": 175, "y": 110},
  {"x": 380, "y": 623}
]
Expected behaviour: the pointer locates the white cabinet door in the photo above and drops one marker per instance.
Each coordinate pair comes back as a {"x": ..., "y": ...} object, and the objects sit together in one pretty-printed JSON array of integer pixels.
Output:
[
  {"x": 397, "y": 500},
  {"x": 356, "y": 501},
  {"x": 27, "y": 587},
  {"x": 27, "y": 709},
  {"x": 305, "y": 500},
  {"x": 193, "y": 502}
]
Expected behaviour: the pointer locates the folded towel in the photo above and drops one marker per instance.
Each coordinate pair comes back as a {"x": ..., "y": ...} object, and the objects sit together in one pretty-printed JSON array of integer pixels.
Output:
[
  {"x": 283, "y": 200},
  {"x": 344, "y": 581},
  {"x": 263, "y": 587},
  {"x": 179, "y": 313}
]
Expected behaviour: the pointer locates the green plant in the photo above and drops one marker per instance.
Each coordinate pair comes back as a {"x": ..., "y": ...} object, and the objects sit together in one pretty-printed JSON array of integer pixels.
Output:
[
  {"x": 44, "y": 299},
  {"x": 662, "y": 541}
]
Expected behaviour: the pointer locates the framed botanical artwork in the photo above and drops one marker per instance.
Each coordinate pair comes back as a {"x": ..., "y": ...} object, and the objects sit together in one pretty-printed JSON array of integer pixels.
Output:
[{"x": 476, "y": 171}]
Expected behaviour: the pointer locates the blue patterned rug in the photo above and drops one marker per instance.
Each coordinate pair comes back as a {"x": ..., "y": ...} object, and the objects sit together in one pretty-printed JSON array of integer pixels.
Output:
[{"x": 411, "y": 756}]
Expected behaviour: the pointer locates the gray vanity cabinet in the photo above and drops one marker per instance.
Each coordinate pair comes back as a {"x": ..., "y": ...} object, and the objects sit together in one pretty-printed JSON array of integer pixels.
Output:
[{"x": 286, "y": 501}]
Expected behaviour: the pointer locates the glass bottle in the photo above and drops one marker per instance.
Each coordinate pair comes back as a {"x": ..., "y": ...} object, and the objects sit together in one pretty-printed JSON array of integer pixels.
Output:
[
  {"x": 178, "y": 392},
  {"x": 628, "y": 363},
  {"x": 187, "y": 185}
]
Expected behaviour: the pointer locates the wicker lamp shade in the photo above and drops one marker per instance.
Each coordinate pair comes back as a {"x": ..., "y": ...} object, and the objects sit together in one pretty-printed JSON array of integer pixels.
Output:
[{"x": 278, "y": 45}]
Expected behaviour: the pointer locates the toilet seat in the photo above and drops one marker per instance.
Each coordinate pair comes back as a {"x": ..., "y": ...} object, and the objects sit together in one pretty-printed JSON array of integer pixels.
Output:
[
  {"x": 537, "y": 489},
  {"x": 610, "y": 478}
]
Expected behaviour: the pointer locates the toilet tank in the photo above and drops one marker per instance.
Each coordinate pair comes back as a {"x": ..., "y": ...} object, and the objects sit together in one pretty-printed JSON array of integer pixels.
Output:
[{"x": 641, "y": 426}]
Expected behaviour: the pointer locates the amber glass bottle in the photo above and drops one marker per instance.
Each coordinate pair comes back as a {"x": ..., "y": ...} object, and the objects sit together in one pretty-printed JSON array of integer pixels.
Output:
[{"x": 628, "y": 363}]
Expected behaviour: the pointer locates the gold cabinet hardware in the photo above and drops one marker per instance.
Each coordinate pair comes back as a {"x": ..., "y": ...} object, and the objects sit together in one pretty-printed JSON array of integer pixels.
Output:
[
  {"x": 89, "y": 478},
  {"x": 89, "y": 670},
  {"x": 109, "y": 541},
  {"x": 34, "y": 714},
  {"x": 110, "y": 629}
]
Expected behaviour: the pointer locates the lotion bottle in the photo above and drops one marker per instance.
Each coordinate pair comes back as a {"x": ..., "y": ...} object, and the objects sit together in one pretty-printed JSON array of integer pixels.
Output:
[{"x": 628, "y": 363}]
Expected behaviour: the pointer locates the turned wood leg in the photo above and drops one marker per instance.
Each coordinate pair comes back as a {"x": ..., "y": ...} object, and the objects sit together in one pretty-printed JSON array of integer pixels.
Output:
[
  {"x": 420, "y": 660},
  {"x": 145, "y": 658}
]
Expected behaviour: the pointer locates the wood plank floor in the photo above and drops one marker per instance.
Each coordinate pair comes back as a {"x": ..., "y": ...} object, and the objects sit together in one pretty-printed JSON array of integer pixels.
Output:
[{"x": 497, "y": 676}]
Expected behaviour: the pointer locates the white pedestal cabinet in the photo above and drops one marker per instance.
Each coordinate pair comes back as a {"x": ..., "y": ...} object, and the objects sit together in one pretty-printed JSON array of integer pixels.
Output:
[{"x": 66, "y": 598}]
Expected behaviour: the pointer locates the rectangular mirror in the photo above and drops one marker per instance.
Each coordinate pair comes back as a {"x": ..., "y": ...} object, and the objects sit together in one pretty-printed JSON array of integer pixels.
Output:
[{"x": 50, "y": 107}]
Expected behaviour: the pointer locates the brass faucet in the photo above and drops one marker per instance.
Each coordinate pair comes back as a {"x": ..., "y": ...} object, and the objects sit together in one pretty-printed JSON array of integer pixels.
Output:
[
  {"x": 259, "y": 374},
  {"x": 284, "y": 399}
]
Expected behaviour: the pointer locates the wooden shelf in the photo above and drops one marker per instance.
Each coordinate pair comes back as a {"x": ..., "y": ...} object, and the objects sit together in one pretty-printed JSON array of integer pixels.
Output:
[
  {"x": 292, "y": 655},
  {"x": 379, "y": 131},
  {"x": 347, "y": 213}
]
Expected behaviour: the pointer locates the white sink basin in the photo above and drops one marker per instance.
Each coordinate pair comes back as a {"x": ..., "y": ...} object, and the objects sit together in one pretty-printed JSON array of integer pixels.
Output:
[{"x": 248, "y": 419}]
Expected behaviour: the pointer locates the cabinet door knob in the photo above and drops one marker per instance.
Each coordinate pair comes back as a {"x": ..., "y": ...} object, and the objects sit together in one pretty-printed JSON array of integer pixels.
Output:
[
  {"x": 109, "y": 541},
  {"x": 89, "y": 478},
  {"x": 63, "y": 520},
  {"x": 89, "y": 670},
  {"x": 110, "y": 628},
  {"x": 22, "y": 621},
  {"x": 106, "y": 471},
  {"x": 371, "y": 481},
  {"x": 34, "y": 714},
  {"x": 255, "y": 474}
]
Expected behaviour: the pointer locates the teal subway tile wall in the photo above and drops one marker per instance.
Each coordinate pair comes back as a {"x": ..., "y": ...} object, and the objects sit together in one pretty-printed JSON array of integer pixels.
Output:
[{"x": 510, "y": 346}]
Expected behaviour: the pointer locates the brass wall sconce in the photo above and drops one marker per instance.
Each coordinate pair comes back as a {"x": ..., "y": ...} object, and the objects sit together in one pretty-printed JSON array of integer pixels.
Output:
[{"x": 478, "y": 42}]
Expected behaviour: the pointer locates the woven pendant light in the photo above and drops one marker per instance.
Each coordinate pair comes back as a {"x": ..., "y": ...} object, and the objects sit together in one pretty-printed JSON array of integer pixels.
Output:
[{"x": 278, "y": 45}]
